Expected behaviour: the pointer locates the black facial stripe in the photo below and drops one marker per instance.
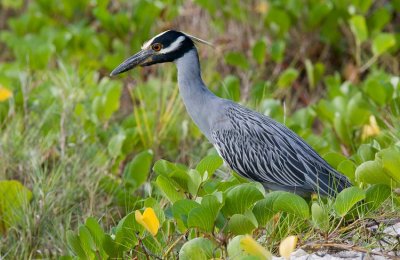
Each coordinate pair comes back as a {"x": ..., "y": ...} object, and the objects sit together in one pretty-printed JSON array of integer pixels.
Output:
[{"x": 168, "y": 38}]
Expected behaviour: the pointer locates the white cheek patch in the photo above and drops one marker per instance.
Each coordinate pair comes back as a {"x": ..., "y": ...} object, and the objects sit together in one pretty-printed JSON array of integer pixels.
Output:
[
  {"x": 173, "y": 46},
  {"x": 147, "y": 44}
]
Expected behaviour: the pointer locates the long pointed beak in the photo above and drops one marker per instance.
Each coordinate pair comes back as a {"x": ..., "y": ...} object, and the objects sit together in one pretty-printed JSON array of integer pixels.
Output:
[{"x": 133, "y": 61}]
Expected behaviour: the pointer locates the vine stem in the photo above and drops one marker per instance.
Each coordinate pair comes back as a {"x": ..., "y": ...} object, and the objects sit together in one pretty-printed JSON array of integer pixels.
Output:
[{"x": 174, "y": 244}]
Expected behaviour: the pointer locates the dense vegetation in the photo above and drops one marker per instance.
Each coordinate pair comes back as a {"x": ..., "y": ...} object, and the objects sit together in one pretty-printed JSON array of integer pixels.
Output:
[{"x": 94, "y": 167}]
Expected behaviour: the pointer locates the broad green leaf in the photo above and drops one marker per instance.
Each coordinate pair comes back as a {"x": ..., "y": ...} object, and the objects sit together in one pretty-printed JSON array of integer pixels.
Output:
[
  {"x": 154, "y": 245},
  {"x": 359, "y": 28},
  {"x": 334, "y": 158},
  {"x": 263, "y": 210},
  {"x": 169, "y": 190},
  {"x": 237, "y": 59},
  {"x": 115, "y": 144},
  {"x": 14, "y": 198},
  {"x": 372, "y": 172},
  {"x": 194, "y": 181},
  {"x": 205, "y": 216},
  {"x": 320, "y": 217},
  {"x": 96, "y": 231},
  {"x": 376, "y": 196},
  {"x": 241, "y": 198},
  {"x": 125, "y": 234},
  {"x": 278, "y": 50},
  {"x": 209, "y": 164},
  {"x": 278, "y": 20},
  {"x": 259, "y": 51},
  {"x": 87, "y": 242},
  {"x": 366, "y": 152},
  {"x": 348, "y": 168},
  {"x": 163, "y": 167},
  {"x": 391, "y": 162},
  {"x": 182, "y": 208},
  {"x": 138, "y": 169},
  {"x": 347, "y": 199},
  {"x": 211, "y": 204},
  {"x": 240, "y": 224},
  {"x": 358, "y": 111},
  {"x": 293, "y": 204},
  {"x": 253, "y": 248},
  {"x": 287, "y": 78},
  {"x": 382, "y": 43},
  {"x": 75, "y": 244},
  {"x": 201, "y": 218},
  {"x": 231, "y": 86},
  {"x": 199, "y": 248}
]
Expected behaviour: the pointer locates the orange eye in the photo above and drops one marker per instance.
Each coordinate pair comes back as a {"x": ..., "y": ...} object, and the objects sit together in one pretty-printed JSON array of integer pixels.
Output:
[{"x": 156, "y": 47}]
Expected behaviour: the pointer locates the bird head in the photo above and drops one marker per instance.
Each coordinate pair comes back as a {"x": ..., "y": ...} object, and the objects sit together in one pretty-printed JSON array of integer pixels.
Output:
[{"x": 167, "y": 46}]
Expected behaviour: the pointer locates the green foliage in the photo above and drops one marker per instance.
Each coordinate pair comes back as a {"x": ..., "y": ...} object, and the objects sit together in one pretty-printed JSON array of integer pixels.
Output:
[
  {"x": 82, "y": 144},
  {"x": 14, "y": 198}
]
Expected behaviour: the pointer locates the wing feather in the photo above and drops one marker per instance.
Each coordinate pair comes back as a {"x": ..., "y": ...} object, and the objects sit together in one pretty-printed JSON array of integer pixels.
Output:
[{"x": 264, "y": 150}]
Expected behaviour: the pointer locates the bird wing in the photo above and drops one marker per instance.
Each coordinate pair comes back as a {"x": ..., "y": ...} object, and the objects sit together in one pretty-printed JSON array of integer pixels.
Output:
[{"x": 266, "y": 151}]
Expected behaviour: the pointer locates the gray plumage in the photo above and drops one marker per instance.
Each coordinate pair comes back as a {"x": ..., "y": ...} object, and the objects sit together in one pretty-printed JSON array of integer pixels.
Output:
[{"x": 252, "y": 144}]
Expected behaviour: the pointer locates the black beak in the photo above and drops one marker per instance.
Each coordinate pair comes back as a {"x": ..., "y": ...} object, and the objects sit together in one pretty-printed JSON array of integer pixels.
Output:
[{"x": 130, "y": 63}]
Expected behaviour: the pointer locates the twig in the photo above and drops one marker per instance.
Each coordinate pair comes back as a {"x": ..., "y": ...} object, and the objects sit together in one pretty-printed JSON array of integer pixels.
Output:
[
  {"x": 316, "y": 246},
  {"x": 174, "y": 244}
]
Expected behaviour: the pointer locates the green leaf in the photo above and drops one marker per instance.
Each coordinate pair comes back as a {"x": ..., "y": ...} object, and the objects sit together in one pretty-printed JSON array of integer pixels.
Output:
[
  {"x": 209, "y": 164},
  {"x": 194, "y": 181},
  {"x": 241, "y": 198},
  {"x": 334, "y": 158},
  {"x": 235, "y": 251},
  {"x": 75, "y": 244},
  {"x": 372, "y": 172},
  {"x": 358, "y": 111},
  {"x": 199, "y": 248},
  {"x": 320, "y": 217},
  {"x": 237, "y": 59},
  {"x": 240, "y": 224},
  {"x": 259, "y": 51},
  {"x": 278, "y": 50},
  {"x": 263, "y": 210},
  {"x": 348, "y": 168},
  {"x": 292, "y": 204},
  {"x": 181, "y": 208},
  {"x": 382, "y": 43},
  {"x": 125, "y": 234},
  {"x": 204, "y": 216},
  {"x": 278, "y": 20},
  {"x": 347, "y": 199},
  {"x": 96, "y": 231},
  {"x": 287, "y": 78},
  {"x": 169, "y": 190},
  {"x": 231, "y": 86},
  {"x": 115, "y": 144},
  {"x": 391, "y": 162},
  {"x": 137, "y": 170},
  {"x": 14, "y": 198},
  {"x": 87, "y": 242},
  {"x": 153, "y": 245},
  {"x": 359, "y": 28},
  {"x": 376, "y": 195}
]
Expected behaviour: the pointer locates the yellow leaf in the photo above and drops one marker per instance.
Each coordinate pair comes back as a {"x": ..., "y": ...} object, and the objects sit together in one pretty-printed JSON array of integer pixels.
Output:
[
  {"x": 251, "y": 247},
  {"x": 4, "y": 94},
  {"x": 148, "y": 220},
  {"x": 372, "y": 129},
  {"x": 287, "y": 246}
]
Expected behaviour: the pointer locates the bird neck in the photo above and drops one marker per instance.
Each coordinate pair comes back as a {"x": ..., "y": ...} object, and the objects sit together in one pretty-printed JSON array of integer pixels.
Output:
[{"x": 196, "y": 96}]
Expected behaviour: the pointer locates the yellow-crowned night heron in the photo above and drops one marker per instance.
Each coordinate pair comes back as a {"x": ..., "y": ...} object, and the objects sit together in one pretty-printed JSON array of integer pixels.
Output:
[{"x": 252, "y": 144}]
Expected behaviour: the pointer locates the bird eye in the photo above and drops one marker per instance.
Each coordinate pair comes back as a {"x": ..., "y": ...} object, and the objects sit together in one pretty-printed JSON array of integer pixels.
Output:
[{"x": 156, "y": 47}]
